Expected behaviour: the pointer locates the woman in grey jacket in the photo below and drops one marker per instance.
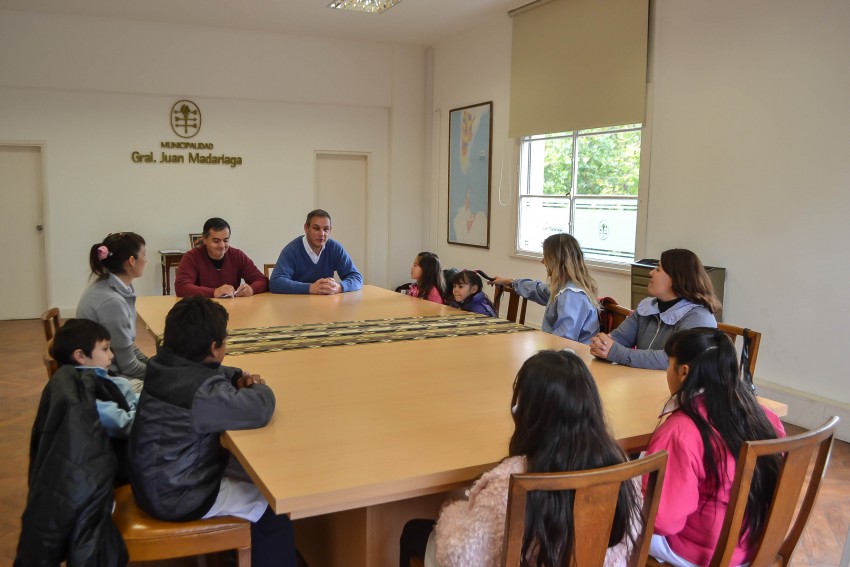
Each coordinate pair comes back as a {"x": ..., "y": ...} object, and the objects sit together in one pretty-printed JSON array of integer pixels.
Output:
[
  {"x": 682, "y": 297},
  {"x": 111, "y": 299}
]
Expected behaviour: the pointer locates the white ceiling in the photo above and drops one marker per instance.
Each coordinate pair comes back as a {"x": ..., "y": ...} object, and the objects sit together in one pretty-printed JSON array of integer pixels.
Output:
[{"x": 421, "y": 22}]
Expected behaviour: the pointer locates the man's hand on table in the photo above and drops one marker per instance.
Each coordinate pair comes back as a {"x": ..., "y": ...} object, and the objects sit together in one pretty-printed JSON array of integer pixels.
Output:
[{"x": 325, "y": 286}]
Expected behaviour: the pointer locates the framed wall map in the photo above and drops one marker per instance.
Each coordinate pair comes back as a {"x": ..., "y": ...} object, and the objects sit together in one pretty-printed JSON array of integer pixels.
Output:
[{"x": 470, "y": 151}]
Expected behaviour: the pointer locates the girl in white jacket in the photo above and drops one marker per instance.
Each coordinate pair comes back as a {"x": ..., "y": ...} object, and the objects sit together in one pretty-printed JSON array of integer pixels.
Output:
[{"x": 559, "y": 426}]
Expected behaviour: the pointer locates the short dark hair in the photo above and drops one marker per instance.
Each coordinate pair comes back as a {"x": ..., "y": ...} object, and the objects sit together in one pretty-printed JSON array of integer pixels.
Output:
[
  {"x": 110, "y": 255},
  {"x": 317, "y": 213},
  {"x": 77, "y": 334},
  {"x": 215, "y": 224},
  {"x": 193, "y": 325}
]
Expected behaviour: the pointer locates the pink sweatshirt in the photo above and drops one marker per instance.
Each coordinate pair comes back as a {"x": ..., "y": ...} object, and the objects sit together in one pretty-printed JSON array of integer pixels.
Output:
[
  {"x": 690, "y": 516},
  {"x": 433, "y": 295}
]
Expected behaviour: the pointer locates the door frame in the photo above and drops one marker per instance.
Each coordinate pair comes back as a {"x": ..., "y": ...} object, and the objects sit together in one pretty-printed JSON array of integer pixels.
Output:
[
  {"x": 368, "y": 233},
  {"x": 42, "y": 148}
]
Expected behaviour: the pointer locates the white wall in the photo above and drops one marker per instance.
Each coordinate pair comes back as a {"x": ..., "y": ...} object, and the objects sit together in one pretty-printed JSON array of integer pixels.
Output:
[
  {"x": 92, "y": 91},
  {"x": 749, "y": 168},
  {"x": 468, "y": 69}
]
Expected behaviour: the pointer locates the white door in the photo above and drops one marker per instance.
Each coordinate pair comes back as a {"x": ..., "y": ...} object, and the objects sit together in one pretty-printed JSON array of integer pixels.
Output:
[
  {"x": 22, "y": 257},
  {"x": 341, "y": 190}
]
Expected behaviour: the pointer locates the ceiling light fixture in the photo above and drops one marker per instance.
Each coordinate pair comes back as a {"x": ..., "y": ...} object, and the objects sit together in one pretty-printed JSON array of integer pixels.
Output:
[{"x": 368, "y": 6}]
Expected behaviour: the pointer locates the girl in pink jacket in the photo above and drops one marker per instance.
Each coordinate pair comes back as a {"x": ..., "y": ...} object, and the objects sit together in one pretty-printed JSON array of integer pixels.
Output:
[
  {"x": 428, "y": 279},
  {"x": 559, "y": 425},
  {"x": 713, "y": 412}
]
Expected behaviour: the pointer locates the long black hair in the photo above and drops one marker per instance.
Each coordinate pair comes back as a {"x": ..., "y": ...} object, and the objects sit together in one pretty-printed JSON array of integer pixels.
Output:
[
  {"x": 559, "y": 425},
  {"x": 432, "y": 275},
  {"x": 732, "y": 415}
]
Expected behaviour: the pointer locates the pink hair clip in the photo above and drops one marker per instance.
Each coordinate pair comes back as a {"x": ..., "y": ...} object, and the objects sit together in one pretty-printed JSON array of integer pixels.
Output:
[{"x": 102, "y": 252}]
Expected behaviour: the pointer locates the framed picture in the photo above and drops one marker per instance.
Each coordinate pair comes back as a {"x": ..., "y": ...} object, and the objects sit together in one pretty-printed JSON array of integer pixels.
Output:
[
  {"x": 195, "y": 240},
  {"x": 470, "y": 159}
]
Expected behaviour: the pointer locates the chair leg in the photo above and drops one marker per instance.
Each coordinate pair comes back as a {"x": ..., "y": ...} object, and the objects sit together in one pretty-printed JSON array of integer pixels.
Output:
[{"x": 244, "y": 557}]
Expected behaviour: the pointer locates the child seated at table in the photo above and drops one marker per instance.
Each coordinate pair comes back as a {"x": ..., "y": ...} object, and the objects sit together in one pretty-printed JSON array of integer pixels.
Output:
[
  {"x": 712, "y": 412},
  {"x": 559, "y": 425},
  {"x": 468, "y": 294},
  {"x": 179, "y": 471},
  {"x": 429, "y": 281},
  {"x": 86, "y": 345}
]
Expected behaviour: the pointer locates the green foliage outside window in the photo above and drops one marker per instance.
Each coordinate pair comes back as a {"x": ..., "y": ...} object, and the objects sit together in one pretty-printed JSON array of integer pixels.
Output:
[{"x": 608, "y": 164}]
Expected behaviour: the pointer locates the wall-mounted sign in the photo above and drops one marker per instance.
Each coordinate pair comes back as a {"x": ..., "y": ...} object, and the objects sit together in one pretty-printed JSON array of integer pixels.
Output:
[{"x": 185, "y": 118}]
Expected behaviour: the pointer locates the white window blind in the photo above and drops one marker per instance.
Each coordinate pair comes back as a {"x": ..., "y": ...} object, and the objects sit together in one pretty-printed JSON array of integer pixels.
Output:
[{"x": 577, "y": 64}]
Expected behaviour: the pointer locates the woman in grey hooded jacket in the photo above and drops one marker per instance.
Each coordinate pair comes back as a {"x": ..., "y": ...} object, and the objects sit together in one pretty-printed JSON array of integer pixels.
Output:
[{"x": 682, "y": 297}]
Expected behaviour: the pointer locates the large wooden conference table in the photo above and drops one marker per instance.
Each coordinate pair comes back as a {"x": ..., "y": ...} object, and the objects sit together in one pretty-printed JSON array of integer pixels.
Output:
[{"x": 367, "y": 436}]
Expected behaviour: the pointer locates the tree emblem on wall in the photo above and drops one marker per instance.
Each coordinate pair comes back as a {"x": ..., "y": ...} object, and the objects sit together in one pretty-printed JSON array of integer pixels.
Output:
[{"x": 185, "y": 118}]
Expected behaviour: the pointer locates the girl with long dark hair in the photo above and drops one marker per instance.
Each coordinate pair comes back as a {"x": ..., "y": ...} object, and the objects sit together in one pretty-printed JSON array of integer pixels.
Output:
[
  {"x": 712, "y": 413},
  {"x": 681, "y": 297},
  {"x": 429, "y": 281},
  {"x": 559, "y": 425}
]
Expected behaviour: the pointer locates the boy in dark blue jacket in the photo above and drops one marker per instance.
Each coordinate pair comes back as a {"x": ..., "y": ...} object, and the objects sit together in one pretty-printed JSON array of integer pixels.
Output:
[{"x": 179, "y": 470}]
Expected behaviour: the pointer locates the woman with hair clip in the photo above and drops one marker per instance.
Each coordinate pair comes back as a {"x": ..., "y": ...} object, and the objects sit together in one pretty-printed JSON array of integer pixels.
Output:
[
  {"x": 559, "y": 425},
  {"x": 111, "y": 300},
  {"x": 711, "y": 413},
  {"x": 682, "y": 297},
  {"x": 569, "y": 294}
]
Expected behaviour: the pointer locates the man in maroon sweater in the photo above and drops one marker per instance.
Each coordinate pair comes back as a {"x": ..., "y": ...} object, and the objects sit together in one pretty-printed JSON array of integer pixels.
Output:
[{"x": 217, "y": 270}]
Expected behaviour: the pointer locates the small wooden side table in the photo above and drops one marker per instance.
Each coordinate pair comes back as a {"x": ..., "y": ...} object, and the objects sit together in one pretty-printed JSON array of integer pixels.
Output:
[{"x": 168, "y": 259}]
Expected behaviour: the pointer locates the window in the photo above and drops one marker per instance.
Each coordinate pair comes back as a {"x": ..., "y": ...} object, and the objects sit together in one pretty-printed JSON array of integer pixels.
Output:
[{"x": 584, "y": 183}]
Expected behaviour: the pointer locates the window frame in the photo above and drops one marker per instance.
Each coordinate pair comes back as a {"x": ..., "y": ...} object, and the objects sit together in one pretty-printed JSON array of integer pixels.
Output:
[{"x": 611, "y": 265}]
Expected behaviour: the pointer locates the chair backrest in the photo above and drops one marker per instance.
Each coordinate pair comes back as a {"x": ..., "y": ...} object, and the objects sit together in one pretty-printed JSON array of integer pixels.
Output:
[
  {"x": 516, "y": 304},
  {"x": 782, "y": 529},
  {"x": 595, "y": 502},
  {"x": 50, "y": 320},
  {"x": 50, "y": 363},
  {"x": 750, "y": 344},
  {"x": 267, "y": 270},
  {"x": 611, "y": 314}
]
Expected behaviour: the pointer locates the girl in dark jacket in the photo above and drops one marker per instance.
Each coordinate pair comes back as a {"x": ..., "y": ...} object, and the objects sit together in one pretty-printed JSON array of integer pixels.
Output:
[{"x": 467, "y": 294}]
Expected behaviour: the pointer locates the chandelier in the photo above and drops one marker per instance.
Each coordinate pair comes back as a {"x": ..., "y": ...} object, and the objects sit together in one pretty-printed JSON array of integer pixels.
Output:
[{"x": 369, "y": 6}]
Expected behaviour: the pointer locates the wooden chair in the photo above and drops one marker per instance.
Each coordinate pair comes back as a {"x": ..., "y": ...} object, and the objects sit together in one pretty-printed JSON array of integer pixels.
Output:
[
  {"x": 50, "y": 320},
  {"x": 50, "y": 363},
  {"x": 595, "y": 501},
  {"x": 267, "y": 270},
  {"x": 611, "y": 314},
  {"x": 514, "y": 305},
  {"x": 783, "y": 529},
  {"x": 751, "y": 341},
  {"x": 149, "y": 539}
]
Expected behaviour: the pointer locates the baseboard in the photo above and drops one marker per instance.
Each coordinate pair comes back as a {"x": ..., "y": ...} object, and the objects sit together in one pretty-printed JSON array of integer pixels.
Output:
[{"x": 807, "y": 410}]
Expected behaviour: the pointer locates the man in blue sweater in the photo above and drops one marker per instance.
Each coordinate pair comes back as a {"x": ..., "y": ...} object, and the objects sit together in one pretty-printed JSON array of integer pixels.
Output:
[{"x": 307, "y": 264}]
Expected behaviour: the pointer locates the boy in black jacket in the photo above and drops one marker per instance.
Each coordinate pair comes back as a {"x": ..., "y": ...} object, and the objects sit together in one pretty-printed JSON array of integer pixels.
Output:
[{"x": 179, "y": 471}]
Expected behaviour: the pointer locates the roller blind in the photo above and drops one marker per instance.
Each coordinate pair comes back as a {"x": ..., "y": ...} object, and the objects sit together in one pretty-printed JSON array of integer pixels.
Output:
[{"x": 577, "y": 64}]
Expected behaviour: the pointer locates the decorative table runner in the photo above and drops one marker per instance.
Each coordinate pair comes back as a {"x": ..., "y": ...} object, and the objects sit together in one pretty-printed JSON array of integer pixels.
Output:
[{"x": 273, "y": 339}]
